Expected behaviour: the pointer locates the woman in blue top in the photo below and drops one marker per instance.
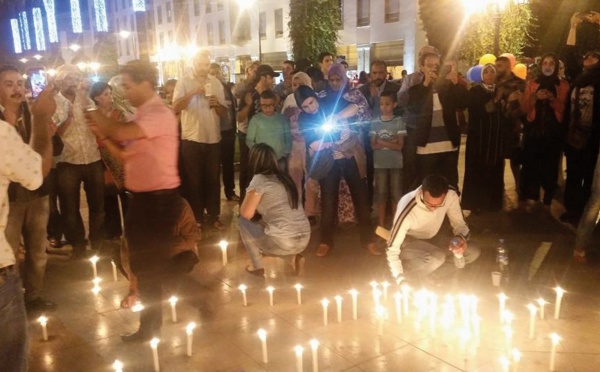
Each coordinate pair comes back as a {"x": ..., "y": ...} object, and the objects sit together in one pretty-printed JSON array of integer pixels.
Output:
[{"x": 271, "y": 198}]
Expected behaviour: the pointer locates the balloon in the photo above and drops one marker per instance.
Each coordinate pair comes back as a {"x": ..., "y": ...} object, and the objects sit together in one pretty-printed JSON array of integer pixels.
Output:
[
  {"x": 520, "y": 70},
  {"x": 474, "y": 74},
  {"x": 487, "y": 58},
  {"x": 512, "y": 59}
]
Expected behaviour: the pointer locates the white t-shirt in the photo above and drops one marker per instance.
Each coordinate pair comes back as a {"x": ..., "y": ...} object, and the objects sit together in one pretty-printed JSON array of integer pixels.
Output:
[{"x": 199, "y": 122}]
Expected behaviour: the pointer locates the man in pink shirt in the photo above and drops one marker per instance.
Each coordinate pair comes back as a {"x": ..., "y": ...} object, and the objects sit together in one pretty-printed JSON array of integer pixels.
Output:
[{"x": 148, "y": 148}]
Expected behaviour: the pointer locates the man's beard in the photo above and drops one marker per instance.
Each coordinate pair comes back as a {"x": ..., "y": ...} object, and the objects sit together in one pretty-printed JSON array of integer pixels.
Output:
[{"x": 377, "y": 82}]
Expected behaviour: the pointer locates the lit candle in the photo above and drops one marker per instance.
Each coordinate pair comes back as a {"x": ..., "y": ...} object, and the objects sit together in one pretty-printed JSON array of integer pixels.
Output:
[
  {"x": 516, "y": 356},
  {"x": 262, "y": 335},
  {"x": 432, "y": 311},
  {"x": 314, "y": 345},
  {"x": 354, "y": 293},
  {"x": 173, "y": 301},
  {"x": 508, "y": 333},
  {"x": 243, "y": 288},
  {"x": 299, "y": 352},
  {"x": 505, "y": 363},
  {"x": 43, "y": 322},
  {"x": 374, "y": 285},
  {"x": 377, "y": 297},
  {"x": 508, "y": 317},
  {"x": 398, "y": 303},
  {"x": 405, "y": 290},
  {"x": 189, "y": 330},
  {"x": 532, "y": 315},
  {"x": 137, "y": 307},
  {"x": 154, "y": 345},
  {"x": 298, "y": 287},
  {"x": 385, "y": 286},
  {"x": 502, "y": 302},
  {"x": 477, "y": 329},
  {"x": 555, "y": 340},
  {"x": 380, "y": 311},
  {"x": 96, "y": 288},
  {"x": 542, "y": 304},
  {"x": 325, "y": 303},
  {"x": 338, "y": 307},
  {"x": 270, "y": 289},
  {"x": 223, "y": 244},
  {"x": 117, "y": 366},
  {"x": 465, "y": 308},
  {"x": 559, "y": 295},
  {"x": 114, "y": 270},
  {"x": 94, "y": 260}
]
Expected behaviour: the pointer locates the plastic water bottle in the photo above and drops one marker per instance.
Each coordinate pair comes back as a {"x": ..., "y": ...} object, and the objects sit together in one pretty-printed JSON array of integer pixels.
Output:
[
  {"x": 459, "y": 258},
  {"x": 502, "y": 260}
]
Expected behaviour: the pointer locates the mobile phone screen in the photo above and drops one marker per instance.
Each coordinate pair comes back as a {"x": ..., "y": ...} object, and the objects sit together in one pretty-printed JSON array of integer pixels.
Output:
[{"x": 38, "y": 81}]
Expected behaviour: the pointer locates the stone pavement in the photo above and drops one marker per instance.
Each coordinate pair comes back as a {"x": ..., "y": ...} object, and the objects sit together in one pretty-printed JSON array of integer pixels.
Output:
[{"x": 84, "y": 331}]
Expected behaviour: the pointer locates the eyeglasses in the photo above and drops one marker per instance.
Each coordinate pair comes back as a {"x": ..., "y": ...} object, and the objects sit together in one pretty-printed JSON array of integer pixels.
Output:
[
  {"x": 427, "y": 204},
  {"x": 267, "y": 105}
]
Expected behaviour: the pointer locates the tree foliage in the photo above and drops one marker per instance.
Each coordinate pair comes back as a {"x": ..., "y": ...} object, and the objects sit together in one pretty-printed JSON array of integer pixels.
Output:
[{"x": 314, "y": 26}]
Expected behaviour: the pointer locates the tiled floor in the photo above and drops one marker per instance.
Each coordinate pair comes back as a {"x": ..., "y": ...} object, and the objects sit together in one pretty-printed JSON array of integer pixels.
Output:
[{"x": 84, "y": 331}]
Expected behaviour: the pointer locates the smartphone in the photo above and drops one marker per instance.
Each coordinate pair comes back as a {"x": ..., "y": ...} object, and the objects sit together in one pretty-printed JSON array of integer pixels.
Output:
[{"x": 37, "y": 80}]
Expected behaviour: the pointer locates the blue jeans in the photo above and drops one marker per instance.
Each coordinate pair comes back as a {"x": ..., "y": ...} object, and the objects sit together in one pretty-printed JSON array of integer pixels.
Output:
[
  {"x": 13, "y": 323},
  {"x": 258, "y": 243},
  {"x": 589, "y": 218}
]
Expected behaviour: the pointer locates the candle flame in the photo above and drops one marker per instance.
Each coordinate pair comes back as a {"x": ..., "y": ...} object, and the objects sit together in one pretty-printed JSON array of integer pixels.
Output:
[
  {"x": 173, "y": 300},
  {"x": 502, "y": 297},
  {"x": 516, "y": 355},
  {"x": 338, "y": 299},
  {"x": 314, "y": 343},
  {"x": 374, "y": 284},
  {"x": 243, "y": 287},
  {"x": 262, "y": 334},
  {"x": 137, "y": 307},
  {"x": 353, "y": 292},
  {"x": 189, "y": 329},
  {"x": 223, "y": 244},
  {"x": 154, "y": 343},
  {"x": 559, "y": 291},
  {"x": 94, "y": 259},
  {"x": 385, "y": 284},
  {"x": 43, "y": 320},
  {"x": 541, "y": 301},
  {"x": 325, "y": 302},
  {"x": 298, "y": 286},
  {"x": 270, "y": 289},
  {"x": 299, "y": 350},
  {"x": 117, "y": 365},
  {"x": 96, "y": 281},
  {"x": 381, "y": 312},
  {"x": 96, "y": 290},
  {"x": 505, "y": 363},
  {"x": 555, "y": 338},
  {"x": 532, "y": 308}
]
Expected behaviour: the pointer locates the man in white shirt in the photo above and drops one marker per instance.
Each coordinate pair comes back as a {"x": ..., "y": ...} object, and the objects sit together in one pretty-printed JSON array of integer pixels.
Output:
[
  {"x": 417, "y": 247},
  {"x": 26, "y": 165},
  {"x": 200, "y": 98}
]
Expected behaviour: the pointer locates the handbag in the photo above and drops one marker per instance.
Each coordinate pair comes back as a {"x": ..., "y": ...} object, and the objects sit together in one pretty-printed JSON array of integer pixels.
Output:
[{"x": 321, "y": 164}]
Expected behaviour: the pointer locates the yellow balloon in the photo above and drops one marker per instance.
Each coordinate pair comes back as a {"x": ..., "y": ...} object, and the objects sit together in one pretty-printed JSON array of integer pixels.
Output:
[
  {"x": 487, "y": 58},
  {"x": 520, "y": 70}
]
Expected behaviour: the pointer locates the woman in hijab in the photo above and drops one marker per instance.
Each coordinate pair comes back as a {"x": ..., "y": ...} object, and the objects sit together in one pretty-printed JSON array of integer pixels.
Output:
[
  {"x": 327, "y": 133},
  {"x": 544, "y": 103},
  {"x": 483, "y": 188}
]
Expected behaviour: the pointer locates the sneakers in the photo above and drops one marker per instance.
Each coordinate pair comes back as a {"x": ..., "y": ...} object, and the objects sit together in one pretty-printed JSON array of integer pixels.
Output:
[
  {"x": 298, "y": 264},
  {"x": 322, "y": 250},
  {"x": 372, "y": 248}
]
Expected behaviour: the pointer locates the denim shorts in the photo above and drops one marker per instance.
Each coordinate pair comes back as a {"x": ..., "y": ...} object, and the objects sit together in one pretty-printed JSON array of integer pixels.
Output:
[{"x": 388, "y": 185}]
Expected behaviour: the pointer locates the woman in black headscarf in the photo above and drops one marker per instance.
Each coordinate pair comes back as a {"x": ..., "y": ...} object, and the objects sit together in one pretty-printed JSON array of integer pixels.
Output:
[{"x": 544, "y": 101}]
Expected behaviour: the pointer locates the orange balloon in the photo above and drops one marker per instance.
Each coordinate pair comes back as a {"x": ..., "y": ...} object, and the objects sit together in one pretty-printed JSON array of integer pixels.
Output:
[
  {"x": 520, "y": 70},
  {"x": 511, "y": 58}
]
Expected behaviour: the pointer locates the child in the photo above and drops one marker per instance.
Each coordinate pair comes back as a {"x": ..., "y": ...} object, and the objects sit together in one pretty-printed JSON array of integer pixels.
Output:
[
  {"x": 387, "y": 139},
  {"x": 271, "y": 128}
]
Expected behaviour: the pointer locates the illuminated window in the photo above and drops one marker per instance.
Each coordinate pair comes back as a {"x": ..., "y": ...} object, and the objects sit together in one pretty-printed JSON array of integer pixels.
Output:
[
  {"x": 38, "y": 26},
  {"x": 24, "y": 25},
  {"x": 51, "y": 17},
  {"x": 278, "y": 22},
  {"x": 262, "y": 25},
  {"x": 76, "y": 16},
  {"x": 139, "y": 5},
  {"x": 14, "y": 25},
  {"x": 392, "y": 11},
  {"x": 363, "y": 13},
  {"x": 100, "y": 13}
]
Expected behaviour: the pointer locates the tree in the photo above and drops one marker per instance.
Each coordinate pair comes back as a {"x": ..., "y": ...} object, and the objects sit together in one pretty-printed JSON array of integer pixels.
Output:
[{"x": 314, "y": 26}]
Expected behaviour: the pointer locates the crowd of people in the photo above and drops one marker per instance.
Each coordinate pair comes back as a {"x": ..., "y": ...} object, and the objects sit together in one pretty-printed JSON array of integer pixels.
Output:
[{"x": 314, "y": 149}]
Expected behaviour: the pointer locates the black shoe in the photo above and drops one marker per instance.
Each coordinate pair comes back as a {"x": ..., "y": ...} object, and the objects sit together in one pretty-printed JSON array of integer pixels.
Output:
[
  {"x": 40, "y": 305},
  {"x": 233, "y": 197},
  {"x": 139, "y": 336},
  {"x": 257, "y": 272},
  {"x": 55, "y": 243}
]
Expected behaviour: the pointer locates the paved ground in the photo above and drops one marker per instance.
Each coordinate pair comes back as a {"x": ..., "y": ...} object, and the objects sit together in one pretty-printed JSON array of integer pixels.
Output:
[{"x": 84, "y": 331}]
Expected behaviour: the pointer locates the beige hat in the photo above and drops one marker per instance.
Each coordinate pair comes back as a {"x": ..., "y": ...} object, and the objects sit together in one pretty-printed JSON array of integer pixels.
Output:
[{"x": 65, "y": 70}]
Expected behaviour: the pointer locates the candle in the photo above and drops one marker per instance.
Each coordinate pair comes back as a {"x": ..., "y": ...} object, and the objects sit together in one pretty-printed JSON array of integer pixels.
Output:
[
  {"x": 380, "y": 312},
  {"x": 223, "y": 244},
  {"x": 270, "y": 289},
  {"x": 385, "y": 286},
  {"x": 114, "y": 270},
  {"x": 137, "y": 307},
  {"x": 189, "y": 330},
  {"x": 559, "y": 295},
  {"x": 398, "y": 303},
  {"x": 338, "y": 306},
  {"x": 477, "y": 329},
  {"x": 508, "y": 317},
  {"x": 508, "y": 333},
  {"x": 314, "y": 345},
  {"x": 117, "y": 366},
  {"x": 173, "y": 301},
  {"x": 354, "y": 293},
  {"x": 299, "y": 351},
  {"x": 448, "y": 311},
  {"x": 298, "y": 287},
  {"x": 94, "y": 260},
  {"x": 502, "y": 302},
  {"x": 505, "y": 363},
  {"x": 377, "y": 297},
  {"x": 542, "y": 304},
  {"x": 154, "y": 345},
  {"x": 243, "y": 288},
  {"x": 43, "y": 322},
  {"x": 532, "y": 315},
  {"x": 96, "y": 288},
  {"x": 516, "y": 356},
  {"x": 325, "y": 303},
  {"x": 262, "y": 335},
  {"x": 405, "y": 290},
  {"x": 465, "y": 308},
  {"x": 432, "y": 311},
  {"x": 374, "y": 285},
  {"x": 555, "y": 340}
]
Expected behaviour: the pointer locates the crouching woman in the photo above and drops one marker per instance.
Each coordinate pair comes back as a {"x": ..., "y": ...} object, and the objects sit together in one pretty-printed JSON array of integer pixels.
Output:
[{"x": 272, "y": 221}]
